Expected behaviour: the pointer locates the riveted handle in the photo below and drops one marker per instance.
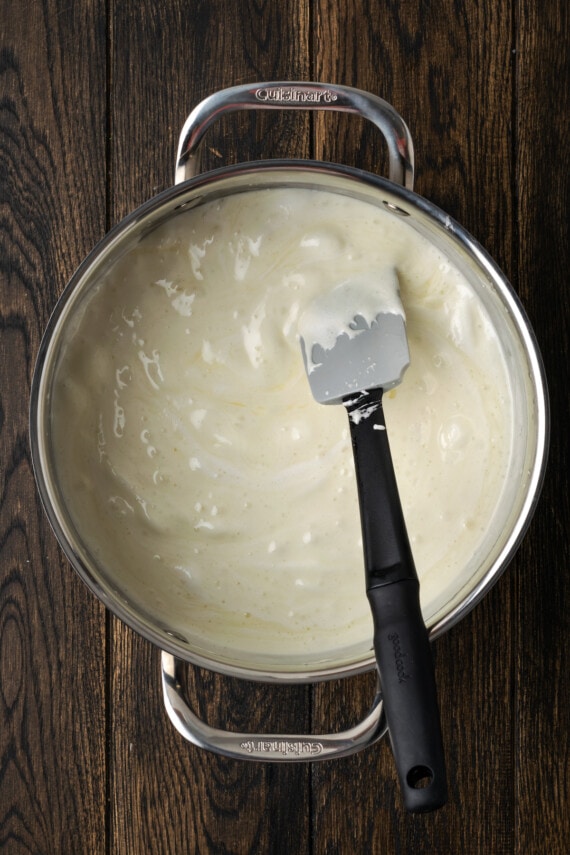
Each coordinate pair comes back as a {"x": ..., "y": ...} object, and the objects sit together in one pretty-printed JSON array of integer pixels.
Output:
[{"x": 298, "y": 96}]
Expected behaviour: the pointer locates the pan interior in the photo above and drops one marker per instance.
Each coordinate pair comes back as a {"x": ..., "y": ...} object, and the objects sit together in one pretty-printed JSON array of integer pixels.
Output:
[{"x": 203, "y": 494}]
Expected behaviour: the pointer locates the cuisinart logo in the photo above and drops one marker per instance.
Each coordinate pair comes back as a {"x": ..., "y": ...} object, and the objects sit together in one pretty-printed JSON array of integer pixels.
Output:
[{"x": 290, "y": 94}]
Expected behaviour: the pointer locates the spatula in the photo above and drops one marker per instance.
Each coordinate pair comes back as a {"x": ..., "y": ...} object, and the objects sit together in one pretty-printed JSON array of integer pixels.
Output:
[{"x": 355, "y": 347}]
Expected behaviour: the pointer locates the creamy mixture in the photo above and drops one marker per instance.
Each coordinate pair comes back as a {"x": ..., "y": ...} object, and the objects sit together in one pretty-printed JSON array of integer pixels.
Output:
[{"x": 199, "y": 468}]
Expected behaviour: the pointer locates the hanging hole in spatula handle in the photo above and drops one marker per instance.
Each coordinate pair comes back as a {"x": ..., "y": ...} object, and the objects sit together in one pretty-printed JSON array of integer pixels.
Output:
[{"x": 298, "y": 96}]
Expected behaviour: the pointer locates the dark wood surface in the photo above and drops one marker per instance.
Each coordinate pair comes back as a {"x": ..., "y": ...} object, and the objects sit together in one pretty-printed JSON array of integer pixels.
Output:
[{"x": 93, "y": 95}]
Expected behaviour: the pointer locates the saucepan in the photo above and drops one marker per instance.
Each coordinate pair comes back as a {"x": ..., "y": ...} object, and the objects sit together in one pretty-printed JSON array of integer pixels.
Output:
[{"x": 393, "y": 195}]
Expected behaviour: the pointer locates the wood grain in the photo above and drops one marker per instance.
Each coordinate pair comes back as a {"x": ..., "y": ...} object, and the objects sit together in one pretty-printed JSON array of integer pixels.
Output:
[
  {"x": 92, "y": 99},
  {"x": 52, "y": 693},
  {"x": 542, "y": 595}
]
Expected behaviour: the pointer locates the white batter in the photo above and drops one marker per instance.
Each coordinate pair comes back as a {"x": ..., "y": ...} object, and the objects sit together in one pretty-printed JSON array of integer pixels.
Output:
[{"x": 197, "y": 464}]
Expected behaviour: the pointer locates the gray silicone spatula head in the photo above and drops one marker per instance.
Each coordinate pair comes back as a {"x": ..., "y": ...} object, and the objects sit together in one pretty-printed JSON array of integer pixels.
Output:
[{"x": 353, "y": 337}]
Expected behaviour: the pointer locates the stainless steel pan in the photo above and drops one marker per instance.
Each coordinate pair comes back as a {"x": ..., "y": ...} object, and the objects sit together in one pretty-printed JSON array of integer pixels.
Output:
[{"x": 396, "y": 195}]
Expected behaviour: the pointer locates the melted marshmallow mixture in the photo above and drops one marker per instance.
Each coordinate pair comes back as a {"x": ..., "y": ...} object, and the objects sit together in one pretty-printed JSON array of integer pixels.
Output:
[{"x": 201, "y": 472}]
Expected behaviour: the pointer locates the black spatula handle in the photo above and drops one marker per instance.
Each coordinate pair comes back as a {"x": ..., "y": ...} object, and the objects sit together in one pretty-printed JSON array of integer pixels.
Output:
[{"x": 401, "y": 642}]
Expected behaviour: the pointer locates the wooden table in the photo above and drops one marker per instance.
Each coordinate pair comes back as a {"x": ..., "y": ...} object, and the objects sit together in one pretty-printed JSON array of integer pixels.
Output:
[{"x": 92, "y": 98}]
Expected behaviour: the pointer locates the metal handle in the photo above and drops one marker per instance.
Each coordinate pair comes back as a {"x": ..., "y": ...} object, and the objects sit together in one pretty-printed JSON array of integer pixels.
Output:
[
  {"x": 284, "y": 748},
  {"x": 298, "y": 96}
]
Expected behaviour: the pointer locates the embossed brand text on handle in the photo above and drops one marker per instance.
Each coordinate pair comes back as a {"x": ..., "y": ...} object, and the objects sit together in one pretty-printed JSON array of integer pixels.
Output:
[
  {"x": 293, "y": 94},
  {"x": 282, "y": 746},
  {"x": 399, "y": 657}
]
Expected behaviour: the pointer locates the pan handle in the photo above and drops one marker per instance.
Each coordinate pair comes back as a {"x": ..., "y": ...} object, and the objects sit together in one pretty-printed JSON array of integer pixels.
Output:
[
  {"x": 298, "y": 96},
  {"x": 272, "y": 748}
]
